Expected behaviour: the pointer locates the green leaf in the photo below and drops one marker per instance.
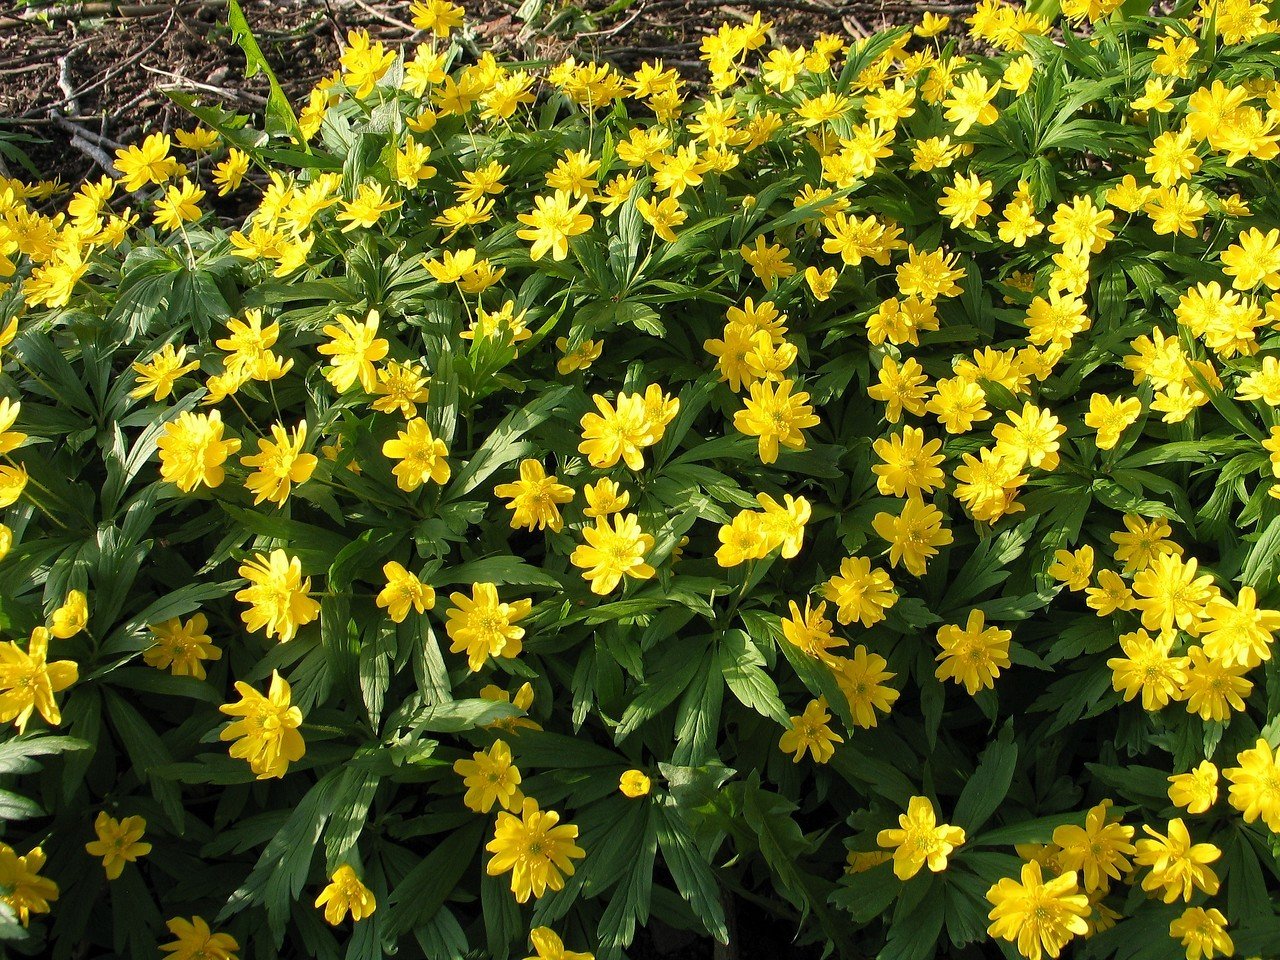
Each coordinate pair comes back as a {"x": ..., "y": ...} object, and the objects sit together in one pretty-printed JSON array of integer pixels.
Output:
[
  {"x": 989, "y": 785},
  {"x": 692, "y": 874},
  {"x": 502, "y": 445},
  {"x": 741, "y": 664},
  {"x": 280, "y": 117}
]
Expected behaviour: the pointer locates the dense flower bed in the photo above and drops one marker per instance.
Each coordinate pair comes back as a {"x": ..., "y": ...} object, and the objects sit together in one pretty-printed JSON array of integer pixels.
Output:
[{"x": 565, "y": 502}]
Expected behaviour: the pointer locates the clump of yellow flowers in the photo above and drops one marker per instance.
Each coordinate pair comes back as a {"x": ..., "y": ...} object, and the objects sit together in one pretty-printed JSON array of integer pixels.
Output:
[{"x": 572, "y": 499}]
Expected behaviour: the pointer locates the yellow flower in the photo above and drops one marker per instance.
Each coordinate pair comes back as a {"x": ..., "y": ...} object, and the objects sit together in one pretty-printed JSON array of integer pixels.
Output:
[
  {"x": 1254, "y": 258},
  {"x": 1097, "y": 849},
  {"x": 860, "y": 592},
  {"x": 767, "y": 261},
  {"x": 811, "y": 731},
  {"x": 439, "y": 16},
  {"x": 149, "y": 163},
  {"x": 229, "y": 174},
  {"x": 548, "y": 946},
  {"x": 1039, "y": 917},
  {"x": 22, "y": 888},
  {"x": 279, "y": 464},
  {"x": 776, "y": 416},
  {"x": 1111, "y": 417},
  {"x": 1197, "y": 790},
  {"x": 1255, "y": 785},
  {"x": 490, "y": 777},
  {"x": 400, "y": 387},
  {"x": 484, "y": 626},
  {"x": 1030, "y": 438},
  {"x": 821, "y": 282},
  {"x": 920, "y": 840},
  {"x": 345, "y": 894},
  {"x": 1178, "y": 867},
  {"x": 536, "y": 849},
  {"x": 13, "y": 480},
  {"x": 158, "y": 374},
  {"x": 1142, "y": 541},
  {"x": 553, "y": 221},
  {"x": 914, "y": 535},
  {"x": 580, "y": 358},
  {"x": 1111, "y": 594},
  {"x": 1072, "y": 569},
  {"x": 604, "y": 498},
  {"x": 1238, "y": 634},
  {"x": 28, "y": 681},
  {"x": 192, "y": 451},
  {"x": 421, "y": 456},
  {"x": 180, "y": 204},
  {"x": 535, "y": 498},
  {"x": 635, "y": 784},
  {"x": 861, "y": 680},
  {"x": 353, "y": 349},
  {"x": 618, "y": 433},
  {"x": 366, "y": 208},
  {"x": 965, "y": 201},
  {"x": 1147, "y": 668},
  {"x": 612, "y": 552},
  {"x": 663, "y": 215},
  {"x": 119, "y": 842},
  {"x": 181, "y": 647},
  {"x": 364, "y": 62},
  {"x": 1203, "y": 932},
  {"x": 969, "y": 103},
  {"x": 277, "y": 595},
  {"x": 1213, "y": 689},
  {"x": 70, "y": 618},
  {"x": 973, "y": 655},
  {"x": 197, "y": 942},
  {"x": 1170, "y": 594},
  {"x": 404, "y": 590},
  {"x": 742, "y": 539},
  {"x": 266, "y": 735},
  {"x": 909, "y": 465}
]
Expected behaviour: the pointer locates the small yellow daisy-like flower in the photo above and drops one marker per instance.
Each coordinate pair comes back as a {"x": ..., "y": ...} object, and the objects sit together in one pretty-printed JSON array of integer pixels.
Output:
[
  {"x": 615, "y": 547},
  {"x": 536, "y": 848},
  {"x": 635, "y": 784},
  {"x": 973, "y": 655},
  {"x": 535, "y": 498},
  {"x": 71, "y": 617},
  {"x": 119, "y": 842},
  {"x": 484, "y": 626},
  {"x": 181, "y": 648},
  {"x": 490, "y": 777},
  {"x": 811, "y": 732},
  {"x": 1197, "y": 790},
  {"x": 345, "y": 894},
  {"x": 404, "y": 591},
  {"x": 421, "y": 456},
  {"x": 278, "y": 464},
  {"x": 266, "y": 733},
  {"x": 278, "y": 595},
  {"x": 920, "y": 840}
]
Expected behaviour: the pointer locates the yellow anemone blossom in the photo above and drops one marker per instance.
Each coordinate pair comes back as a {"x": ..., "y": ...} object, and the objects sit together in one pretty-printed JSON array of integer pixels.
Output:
[
  {"x": 278, "y": 596},
  {"x": 484, "y": 626},
  {"x": 119, "y": 842},
  {"x": 345, "y": 894},
  {"x": 920, "y": 840},
  {"x": 615, "y": 547},
  {"x": 266, "y": 735},
  {"x": 536, "y": 848}
]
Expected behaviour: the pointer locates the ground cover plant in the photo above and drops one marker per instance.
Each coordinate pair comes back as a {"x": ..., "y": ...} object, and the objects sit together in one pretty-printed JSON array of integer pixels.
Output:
[{"x": 851, "y": 494}]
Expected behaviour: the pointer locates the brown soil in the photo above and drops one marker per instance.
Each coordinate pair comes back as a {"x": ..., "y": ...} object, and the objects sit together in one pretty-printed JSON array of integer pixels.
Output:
[{"x": 79, "y": 79}]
